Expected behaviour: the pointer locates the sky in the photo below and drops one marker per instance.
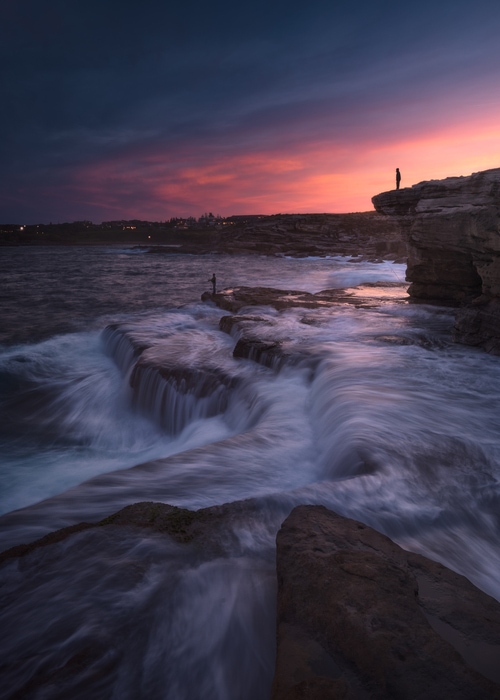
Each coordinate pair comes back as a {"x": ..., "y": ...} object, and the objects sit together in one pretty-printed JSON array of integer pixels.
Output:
[{"x": 154, "y": 109}]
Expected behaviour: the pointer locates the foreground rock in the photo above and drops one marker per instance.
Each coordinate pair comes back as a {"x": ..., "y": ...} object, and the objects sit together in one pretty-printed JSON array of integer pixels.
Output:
[
  {"x": 453, "y": 231},
  {"x": 357, "y": 618}
]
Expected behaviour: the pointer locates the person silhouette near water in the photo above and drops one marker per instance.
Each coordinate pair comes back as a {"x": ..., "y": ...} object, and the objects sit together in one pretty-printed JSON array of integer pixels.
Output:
[
  {"x": 213, "y": 280},
  {"x": 398, "y": 178}
]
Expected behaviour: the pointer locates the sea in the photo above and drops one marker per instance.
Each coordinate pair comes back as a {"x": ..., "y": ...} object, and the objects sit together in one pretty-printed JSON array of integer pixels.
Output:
[{"x": 378, "y": 416}]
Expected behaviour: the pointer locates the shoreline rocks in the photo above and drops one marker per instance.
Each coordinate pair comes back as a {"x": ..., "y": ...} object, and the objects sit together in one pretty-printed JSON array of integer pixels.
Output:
[{"x": 357, "y": 616}]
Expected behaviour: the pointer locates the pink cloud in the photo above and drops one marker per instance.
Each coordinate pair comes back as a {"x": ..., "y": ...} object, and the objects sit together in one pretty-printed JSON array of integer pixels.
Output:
[{"x": 309, "y": 175}]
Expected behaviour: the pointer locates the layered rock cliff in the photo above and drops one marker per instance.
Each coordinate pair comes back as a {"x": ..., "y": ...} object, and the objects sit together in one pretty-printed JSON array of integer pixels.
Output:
[{"x": 453, "y": 231}]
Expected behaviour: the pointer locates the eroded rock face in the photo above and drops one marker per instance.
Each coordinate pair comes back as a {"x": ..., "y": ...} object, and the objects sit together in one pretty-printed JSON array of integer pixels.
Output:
[
  {"x": 357, "y": 618},
  {"x": 453, "y": 232}
]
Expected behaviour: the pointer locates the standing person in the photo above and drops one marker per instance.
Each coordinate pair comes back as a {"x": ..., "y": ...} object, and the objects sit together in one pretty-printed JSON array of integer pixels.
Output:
[
  {"x": 213, "y": 280},
  {"x": 398, "y": 178}
]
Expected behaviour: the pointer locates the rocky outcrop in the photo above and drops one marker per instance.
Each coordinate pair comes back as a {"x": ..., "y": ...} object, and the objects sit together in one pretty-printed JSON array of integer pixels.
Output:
[
  {"x": 366, "y": 295},
  {"x": 268, "y": 351},
  {"x": 359, "y": 617},
  {"x": 453, "y": 231}
]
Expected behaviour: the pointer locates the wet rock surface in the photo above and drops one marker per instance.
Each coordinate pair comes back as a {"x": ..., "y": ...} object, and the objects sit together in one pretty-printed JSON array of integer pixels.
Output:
[
  {"x": 210, "y": 528},
  {"x": 82, "y": 601},
  {"x": 275, "y": 352},
  {"x": 479, "y": 324},
  {"x": 167, "y": 374},
  {"x": 453, "y": 231},
  {"x": 269, "y": 352},
  {"x": 359, "y": 617},
  {"x": 366, "y": 295}
]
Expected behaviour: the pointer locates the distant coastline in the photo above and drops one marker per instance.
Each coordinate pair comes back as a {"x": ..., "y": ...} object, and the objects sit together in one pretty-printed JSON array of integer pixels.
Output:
[{"x": 369, "y": 234}]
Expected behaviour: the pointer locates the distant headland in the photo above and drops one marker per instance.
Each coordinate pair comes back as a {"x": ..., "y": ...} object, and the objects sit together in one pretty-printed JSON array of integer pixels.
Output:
[{"x": 369, "y": 234}]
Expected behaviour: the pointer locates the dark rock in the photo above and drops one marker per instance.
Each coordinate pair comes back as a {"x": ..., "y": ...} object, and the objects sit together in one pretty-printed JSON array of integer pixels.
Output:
[
  {"x": 81, "y": 606},
  {"x": 267, "y": 353},
  {"x": 20, "y": 550},
  {"x": 479, "y": 324},
  {"x": 239, "y": 297},
  {"x": 237, "y": 324},
  {"x": 294, "y": 235},
  {"x": 357, "y": 618},
  {"x": 303, "y": 235},
  {"x": 270, "y": 353}
]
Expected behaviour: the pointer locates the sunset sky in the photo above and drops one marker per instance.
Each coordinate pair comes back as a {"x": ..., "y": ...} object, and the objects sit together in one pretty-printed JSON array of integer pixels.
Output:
[{"x": 158, "y": 108}]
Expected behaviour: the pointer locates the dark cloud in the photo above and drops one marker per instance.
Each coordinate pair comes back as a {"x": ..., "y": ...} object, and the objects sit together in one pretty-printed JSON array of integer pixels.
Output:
[{"x": 85, "y": 81}]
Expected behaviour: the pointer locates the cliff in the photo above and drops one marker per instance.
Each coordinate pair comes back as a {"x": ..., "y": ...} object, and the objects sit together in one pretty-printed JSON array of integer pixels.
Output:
[{"x": 452, "y": 227}]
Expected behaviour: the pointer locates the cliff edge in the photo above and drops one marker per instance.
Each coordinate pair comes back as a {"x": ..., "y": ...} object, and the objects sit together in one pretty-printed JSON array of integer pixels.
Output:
[{"x": 452, "y": 227}]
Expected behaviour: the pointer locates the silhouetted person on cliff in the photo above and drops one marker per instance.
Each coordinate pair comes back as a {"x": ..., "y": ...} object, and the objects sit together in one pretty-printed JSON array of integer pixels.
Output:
[
  {"x": 398, "y": 178},
  {"x": 213, "y": 280}
]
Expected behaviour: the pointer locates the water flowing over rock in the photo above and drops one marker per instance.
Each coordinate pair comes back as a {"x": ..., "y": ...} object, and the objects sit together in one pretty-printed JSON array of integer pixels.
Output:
[
  {"x": 119, "y": 608},
  {"x": 171, "y": 379},
  {"x": 359, "y": 617},
  {"x": 453, "y": 232}
]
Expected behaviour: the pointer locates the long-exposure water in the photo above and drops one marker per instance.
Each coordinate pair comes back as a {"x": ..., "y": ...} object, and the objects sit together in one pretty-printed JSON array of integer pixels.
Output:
[{"x": 384, "y": 419}]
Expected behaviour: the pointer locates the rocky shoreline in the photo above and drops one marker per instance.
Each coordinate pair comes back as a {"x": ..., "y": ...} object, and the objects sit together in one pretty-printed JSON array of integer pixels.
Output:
[{"x": 357, "y": 616}]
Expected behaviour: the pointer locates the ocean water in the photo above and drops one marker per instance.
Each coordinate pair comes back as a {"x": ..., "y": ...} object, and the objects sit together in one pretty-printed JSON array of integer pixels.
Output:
[{"x": 378, "y": 416}]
